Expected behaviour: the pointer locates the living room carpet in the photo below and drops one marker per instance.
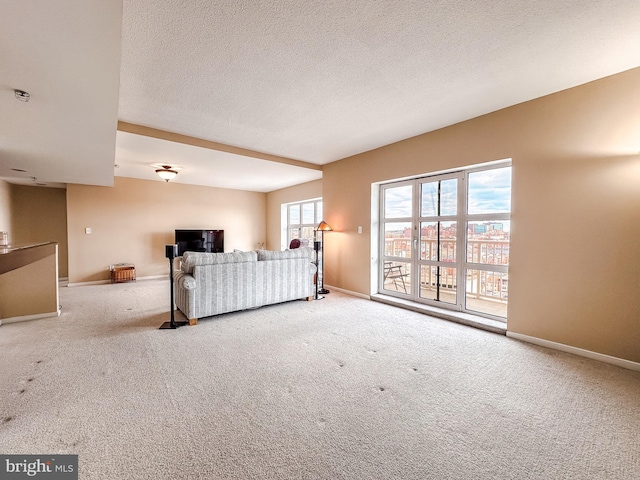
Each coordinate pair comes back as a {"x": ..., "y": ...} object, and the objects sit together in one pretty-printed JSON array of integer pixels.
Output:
[{"x": 342, "y": 388}]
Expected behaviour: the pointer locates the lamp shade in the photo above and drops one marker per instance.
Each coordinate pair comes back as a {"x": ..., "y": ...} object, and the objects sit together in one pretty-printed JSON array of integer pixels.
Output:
[
  {"x": 166, "y": 173},
  {"x": 324, "y": 227}
]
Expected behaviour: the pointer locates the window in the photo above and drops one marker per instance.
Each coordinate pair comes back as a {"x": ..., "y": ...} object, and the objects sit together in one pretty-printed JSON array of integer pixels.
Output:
[
  {"x": 445, "y": 239},
  {"x": 300, "y": 220}
]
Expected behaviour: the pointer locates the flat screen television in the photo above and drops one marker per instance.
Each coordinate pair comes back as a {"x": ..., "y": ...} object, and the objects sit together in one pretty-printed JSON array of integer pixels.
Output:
[{"x": 211, "y": 241}]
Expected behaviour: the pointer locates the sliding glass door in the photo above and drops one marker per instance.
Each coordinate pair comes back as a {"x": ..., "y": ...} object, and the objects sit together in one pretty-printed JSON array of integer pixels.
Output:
[
  {"x": 445, "y": 240},
  {"x": 398, "y": 238},
  {"x": 439, "y": 223}
]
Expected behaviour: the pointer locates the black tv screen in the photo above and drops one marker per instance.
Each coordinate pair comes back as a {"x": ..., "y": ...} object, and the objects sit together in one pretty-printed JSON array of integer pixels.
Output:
[{"x": 211, "y": 241}]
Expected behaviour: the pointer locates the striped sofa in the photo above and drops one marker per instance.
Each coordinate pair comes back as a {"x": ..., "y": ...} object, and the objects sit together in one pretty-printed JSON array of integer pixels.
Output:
[{"x": 213, "y": 283}]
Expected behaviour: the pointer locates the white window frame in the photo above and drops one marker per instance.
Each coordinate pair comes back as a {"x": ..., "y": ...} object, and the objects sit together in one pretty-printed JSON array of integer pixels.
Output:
[
  {"x": 287, "y": 225},
  {"x": 462, "y": 218}
]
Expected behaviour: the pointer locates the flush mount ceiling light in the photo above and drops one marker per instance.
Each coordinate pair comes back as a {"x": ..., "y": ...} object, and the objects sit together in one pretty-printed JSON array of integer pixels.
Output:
[
  {"x": 167, "y": 172},
  {"x": 22, "y": 95}
]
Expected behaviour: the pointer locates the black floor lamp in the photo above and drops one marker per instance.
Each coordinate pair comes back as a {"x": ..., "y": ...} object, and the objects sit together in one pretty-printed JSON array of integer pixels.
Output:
[
  {"x": 322, "y": 227},
  {"x": 171, "y": 251}
]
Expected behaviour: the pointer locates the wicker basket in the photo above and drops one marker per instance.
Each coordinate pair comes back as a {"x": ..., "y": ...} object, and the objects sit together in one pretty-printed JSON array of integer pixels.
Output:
[{"x": 122, "y": 272}]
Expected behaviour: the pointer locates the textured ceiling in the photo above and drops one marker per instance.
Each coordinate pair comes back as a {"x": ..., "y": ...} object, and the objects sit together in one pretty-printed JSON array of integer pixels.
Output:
[
  {"x": 66, "y": 54},
  {"x": 304, "y": 80},
  {"x": 319, "y": 81}
]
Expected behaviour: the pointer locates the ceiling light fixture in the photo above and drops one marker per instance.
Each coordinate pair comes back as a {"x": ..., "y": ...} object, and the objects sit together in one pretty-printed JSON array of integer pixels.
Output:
[
  {"x": 22, "y": 95},
  {"x": 166, "y": 173}
]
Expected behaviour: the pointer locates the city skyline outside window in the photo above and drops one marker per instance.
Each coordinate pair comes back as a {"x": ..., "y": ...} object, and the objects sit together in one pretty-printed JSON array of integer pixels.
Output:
[{"x": 425, "y": 225}]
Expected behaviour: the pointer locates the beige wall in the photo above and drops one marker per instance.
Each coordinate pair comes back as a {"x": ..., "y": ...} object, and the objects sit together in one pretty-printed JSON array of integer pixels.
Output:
[
  {"x": 40, "y": 215},
  {"x": 5, "y": 206},
  {"x": 575, "y": 262},
  {"x": 275, "y": 199},
  {"x": 31, "y": 289},
  {"x": 133, "y": 221}
]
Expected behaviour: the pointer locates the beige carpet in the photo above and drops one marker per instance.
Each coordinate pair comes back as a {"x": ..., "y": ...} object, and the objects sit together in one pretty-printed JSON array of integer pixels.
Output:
[{"x": 341, "y": 388}]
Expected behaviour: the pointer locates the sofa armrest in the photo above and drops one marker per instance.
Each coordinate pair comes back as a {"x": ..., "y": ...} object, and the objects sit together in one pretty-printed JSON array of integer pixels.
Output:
[{"x": 185, "y": 280}]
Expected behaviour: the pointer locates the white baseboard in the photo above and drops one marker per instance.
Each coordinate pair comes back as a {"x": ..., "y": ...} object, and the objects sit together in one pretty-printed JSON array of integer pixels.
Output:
[
  {"x": 82, "y": 284},
  {"x": 25, "y": 318},
  {"x": 348, "y": 292},
  {"x": 155, "y": 277},
  {"x": 620, "y": 362},
  {"x": 104, "y": 282}
]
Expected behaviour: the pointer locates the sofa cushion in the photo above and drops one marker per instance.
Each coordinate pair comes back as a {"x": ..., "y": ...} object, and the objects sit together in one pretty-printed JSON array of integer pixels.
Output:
[
  {"x": 302, "y": 252},
  {"x": 191, "y": 259}
]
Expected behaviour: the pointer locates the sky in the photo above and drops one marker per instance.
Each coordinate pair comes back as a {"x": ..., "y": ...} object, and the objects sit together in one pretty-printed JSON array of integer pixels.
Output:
[{"x": 489, "y": 192}]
